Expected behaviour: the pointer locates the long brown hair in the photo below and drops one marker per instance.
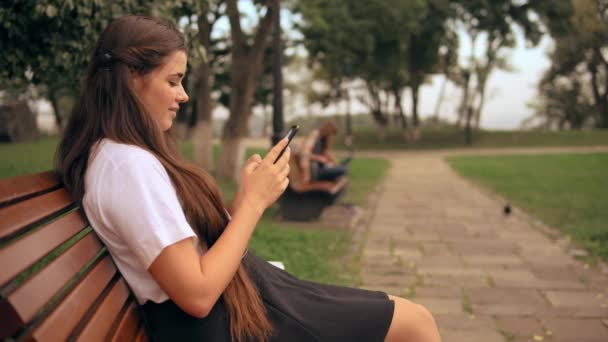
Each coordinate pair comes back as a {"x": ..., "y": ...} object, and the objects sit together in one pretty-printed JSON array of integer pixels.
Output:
[{"x": 108, "y": 107}]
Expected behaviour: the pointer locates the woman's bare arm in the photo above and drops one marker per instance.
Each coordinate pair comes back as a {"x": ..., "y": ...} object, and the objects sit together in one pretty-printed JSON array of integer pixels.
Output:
[
  {"x": 236, "y": 200},
  {"x": 195, "y": 283}
]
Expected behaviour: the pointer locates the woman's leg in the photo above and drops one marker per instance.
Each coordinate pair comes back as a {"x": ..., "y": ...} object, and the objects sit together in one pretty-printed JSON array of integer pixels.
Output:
[{"x": 412, "y": 323}]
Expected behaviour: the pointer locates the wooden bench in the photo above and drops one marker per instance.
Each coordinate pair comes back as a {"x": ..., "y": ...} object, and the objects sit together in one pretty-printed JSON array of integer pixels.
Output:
[
  {"x": 57, "y": 280},
  {"x": 305, "y": 198}
]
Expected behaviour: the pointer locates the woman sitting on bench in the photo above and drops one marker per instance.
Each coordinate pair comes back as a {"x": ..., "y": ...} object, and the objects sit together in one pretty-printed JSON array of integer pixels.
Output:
[
  {"x": 162, "y": 218},
  {"x": 323, "y": 164}
]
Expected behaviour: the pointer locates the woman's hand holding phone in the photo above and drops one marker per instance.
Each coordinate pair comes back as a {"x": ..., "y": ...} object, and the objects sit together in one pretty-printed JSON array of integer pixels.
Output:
[{"x": 262, "y": 180}]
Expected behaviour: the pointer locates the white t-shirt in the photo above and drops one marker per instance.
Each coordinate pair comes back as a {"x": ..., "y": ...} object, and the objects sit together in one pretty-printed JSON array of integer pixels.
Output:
[{"x": 133, "y": 207}]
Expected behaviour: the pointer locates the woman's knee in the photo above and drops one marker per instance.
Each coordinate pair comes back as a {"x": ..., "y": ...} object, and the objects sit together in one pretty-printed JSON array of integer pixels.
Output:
[{"x": 412, "y": 322}]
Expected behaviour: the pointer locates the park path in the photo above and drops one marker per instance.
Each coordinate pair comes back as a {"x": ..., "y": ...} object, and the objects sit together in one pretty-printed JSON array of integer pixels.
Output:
[{"x": 444, "y": 242}]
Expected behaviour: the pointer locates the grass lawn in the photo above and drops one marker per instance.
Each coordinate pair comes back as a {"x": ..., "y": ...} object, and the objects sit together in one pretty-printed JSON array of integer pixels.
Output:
[
  {"x": 451, "y": 137},
  {"x": 567, "y": 191},
  {"x": 308, "y": 253}
]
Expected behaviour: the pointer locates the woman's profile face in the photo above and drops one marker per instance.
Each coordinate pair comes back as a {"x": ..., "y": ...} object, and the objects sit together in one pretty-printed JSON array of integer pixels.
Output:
[{"x": 161, "y": 90}]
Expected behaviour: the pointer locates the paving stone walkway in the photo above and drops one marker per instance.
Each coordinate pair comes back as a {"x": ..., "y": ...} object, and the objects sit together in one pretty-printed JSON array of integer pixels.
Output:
[{"x": 443, "y": 242}]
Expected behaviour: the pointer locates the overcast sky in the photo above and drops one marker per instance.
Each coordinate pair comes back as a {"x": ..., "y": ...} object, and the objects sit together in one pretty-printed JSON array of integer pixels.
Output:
[{"x": 508, "y": 93}]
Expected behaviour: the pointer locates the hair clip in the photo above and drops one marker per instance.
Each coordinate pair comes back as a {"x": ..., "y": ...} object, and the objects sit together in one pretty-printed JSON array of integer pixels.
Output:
[{"x": 106, "y": 59}]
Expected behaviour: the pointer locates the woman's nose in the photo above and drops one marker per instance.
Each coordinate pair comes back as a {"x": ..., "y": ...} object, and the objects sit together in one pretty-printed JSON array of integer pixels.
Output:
[{"x": 182, "y": 96}]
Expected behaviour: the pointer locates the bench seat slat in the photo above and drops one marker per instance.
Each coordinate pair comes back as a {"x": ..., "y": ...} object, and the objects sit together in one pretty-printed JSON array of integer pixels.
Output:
[
  {"x": 23, "y": 253},
  {"x": 62, "y": 321},
  {"x": 20, "y": 215},
  {"x": 128, "y": 324},
  {"x": 104, "y": 316},
  {"x": 330, "y": 187},
  {"x": 13, "y": 189},
  {"x": 28, "y": 299}
]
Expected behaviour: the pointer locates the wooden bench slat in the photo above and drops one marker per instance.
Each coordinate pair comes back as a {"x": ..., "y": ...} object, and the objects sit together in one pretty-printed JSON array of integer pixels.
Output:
[
  {"x": 57, "y": 301},
  {"x": 13, "y": 189},
  {"x": 104, "y": 316},
  {"x": 28, "y": 299},
  {"x": 22, "y": 214},
  {"x": 141, "y": 334},
  {"x": 23, "y": 253},
  {"x": 128, "y": 324},
  {"x": 330, "y": 187},
  {"x": 66, "y": 316}
]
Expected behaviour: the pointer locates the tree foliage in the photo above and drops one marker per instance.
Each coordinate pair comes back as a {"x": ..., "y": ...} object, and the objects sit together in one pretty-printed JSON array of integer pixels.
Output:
[
  {"x": 578, "y": 77},
  {"x": 47, "y": 43}
]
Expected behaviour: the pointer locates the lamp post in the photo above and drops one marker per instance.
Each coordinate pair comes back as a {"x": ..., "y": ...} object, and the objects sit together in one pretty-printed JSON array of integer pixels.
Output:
[{"x": 278, "y": 123}]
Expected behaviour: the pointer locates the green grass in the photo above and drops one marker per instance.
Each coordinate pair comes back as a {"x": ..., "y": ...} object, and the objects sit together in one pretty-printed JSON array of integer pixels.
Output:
[
  {"x": 311, "y": 254},
  {"x": 452, "y": 137},
  {"x": 308, "y": 253},
  {"x": 26, "y": 158},
  {"x": 364, "y": 175},
  {"x": 567, "y": 191},
  {"x": 445, "y": 135}
]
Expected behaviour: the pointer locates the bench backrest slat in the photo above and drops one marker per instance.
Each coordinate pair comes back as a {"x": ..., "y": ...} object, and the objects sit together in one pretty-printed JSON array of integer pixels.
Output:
[
  {"x": 128, "y": 325},
  {"x": 28, "y": 299},
  {"x": 57, "y": 280},
  {"x": 102, "y": 319},
  {"x": 18, "y": 188},
  {"x": 71, "y": 310},
  {"x": 29, "y": 212},
  {"x": 23, "y": 253}
]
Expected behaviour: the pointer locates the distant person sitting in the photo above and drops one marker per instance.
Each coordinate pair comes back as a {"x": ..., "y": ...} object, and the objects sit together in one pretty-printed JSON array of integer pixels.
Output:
[{"x": 324, "y": 166}]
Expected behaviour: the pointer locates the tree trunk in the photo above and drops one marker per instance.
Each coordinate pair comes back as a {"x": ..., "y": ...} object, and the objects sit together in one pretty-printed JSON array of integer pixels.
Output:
[
  {"x": 56, "y": 111},
  {"x": 601, "y": 100},
  {"x": 604, "y": 100},
  {"x": 235, "y": 129},
  {"x": 415, "y": 120},
  {"x": 202, "y": 132},
  {"x": 244, "y": 70},
  {"x": 202, "y": 143},
  {"x": 440, "y": 99},
  {"x": 464, "y": 104},
  {"x": 468, "y": 134},
  {"x": 380, "y": 120},
  {"x": 231, "y": 158},
  {"x": 380, "y": 126},
  {"x": 481, "y": 91},
  {"x": 400, "y": 112},
  {"x": 348, "y": 134}
]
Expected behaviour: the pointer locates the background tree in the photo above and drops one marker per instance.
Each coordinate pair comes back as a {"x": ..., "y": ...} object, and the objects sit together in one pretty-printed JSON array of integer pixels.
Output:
[
  {"x": 245, "y": 67},
  {"x": 491, "y": 24},
  {"x": 424, "y": 51},
  {"x": 579, "y": 60},
  {"x": 202, "y": 133},
  {"x": 369, "y": 36},
  {"x": 47, "y": 43},
  {"x": 563, "y": 103}
]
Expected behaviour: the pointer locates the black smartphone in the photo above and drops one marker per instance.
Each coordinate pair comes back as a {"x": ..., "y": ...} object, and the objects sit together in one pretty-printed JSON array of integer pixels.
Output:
[{"x": 289, "y": 135}]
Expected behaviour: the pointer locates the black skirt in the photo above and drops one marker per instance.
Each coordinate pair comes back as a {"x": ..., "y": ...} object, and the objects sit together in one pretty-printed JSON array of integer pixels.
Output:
[{"x": 298, "y": 311}]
